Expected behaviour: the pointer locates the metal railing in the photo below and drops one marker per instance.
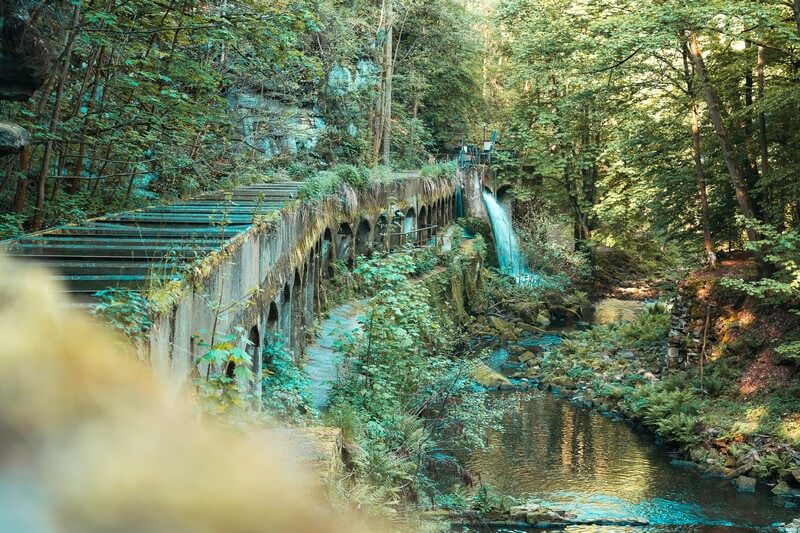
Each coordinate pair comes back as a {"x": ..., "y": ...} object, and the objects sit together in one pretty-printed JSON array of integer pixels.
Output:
[{"x": 403, "y": 235}]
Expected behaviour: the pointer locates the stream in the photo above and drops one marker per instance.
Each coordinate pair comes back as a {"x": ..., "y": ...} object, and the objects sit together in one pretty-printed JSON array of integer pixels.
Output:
[{"x": 551, "y": 452}]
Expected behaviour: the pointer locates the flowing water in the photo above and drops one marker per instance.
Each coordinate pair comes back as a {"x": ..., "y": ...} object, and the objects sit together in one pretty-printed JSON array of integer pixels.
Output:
[
  {"x": 552, "y": 452},
  {"x": 511, "y": 259}
]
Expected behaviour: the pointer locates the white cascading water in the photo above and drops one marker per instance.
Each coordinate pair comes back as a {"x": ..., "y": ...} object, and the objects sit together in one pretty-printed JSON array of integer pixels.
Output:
[{"x": 509, "y": 255}]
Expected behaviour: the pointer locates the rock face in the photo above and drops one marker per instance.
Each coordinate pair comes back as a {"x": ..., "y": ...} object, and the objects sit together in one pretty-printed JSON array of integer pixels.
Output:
[
  {"x": 24, "y": 62},
  {"x": 24, "y": 54},
  {"x": 13, "y": 138}
]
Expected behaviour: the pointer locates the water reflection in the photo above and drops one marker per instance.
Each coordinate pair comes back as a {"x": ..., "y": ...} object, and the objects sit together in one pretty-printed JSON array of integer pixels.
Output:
[{"x": 572, "y": 459}]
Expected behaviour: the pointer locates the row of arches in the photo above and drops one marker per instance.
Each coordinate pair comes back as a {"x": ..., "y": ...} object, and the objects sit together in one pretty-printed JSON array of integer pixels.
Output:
[{"x": 290, "y": 312}]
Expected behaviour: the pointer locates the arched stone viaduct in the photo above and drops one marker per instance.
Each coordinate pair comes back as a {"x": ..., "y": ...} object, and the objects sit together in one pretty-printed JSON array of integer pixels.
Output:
[{"x": 271, "y": 277}]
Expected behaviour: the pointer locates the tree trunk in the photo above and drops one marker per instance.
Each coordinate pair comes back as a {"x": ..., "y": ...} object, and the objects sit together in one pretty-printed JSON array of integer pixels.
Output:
[
  {"x": 74, "y": 184},
  {"x": 701, "y": 185},
  {"x": 796, "y": 9},
  {"x": 752, "y": 160},
  {"x": 728, "y": 152},
  {"x": 387, "y": 86},
  {"x": 22, "y": 181},
  {"x": 762, "y": 122},
  {"x": 48, "y": 150}
]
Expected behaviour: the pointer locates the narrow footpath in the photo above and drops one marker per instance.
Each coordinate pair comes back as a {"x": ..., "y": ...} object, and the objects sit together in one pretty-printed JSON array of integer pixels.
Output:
[{"x": 322, "y": 359}]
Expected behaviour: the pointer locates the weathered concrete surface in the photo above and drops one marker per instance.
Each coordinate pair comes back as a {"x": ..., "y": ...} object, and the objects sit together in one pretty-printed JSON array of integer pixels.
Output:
[
  {"x": 269, "y": 277},
  {"x": 475, "y": 181}
]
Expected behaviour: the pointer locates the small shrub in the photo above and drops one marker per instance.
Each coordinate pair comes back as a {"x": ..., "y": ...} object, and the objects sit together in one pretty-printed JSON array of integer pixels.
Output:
[
  {"x": 356, "y": 177},
  {"x": 124, "y": 310},
  {"x": 10, "y": 225},
  {"x": 487, "y": 500},
  {"x": 299, "y": 171},
  {"x": 285, "y": 387}
]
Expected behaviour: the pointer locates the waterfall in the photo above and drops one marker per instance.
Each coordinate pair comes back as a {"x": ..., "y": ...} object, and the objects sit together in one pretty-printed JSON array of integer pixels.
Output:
[
  {"x": 459, "y": 202},
  {"x": 512, "y": 262}
]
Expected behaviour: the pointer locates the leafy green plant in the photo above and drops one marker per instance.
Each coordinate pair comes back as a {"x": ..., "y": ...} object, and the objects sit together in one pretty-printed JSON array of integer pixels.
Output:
[
  {"x": 127, "y": 311},
  {"x": 439, "y": 170},
  {"x": 357, "y": 177},
  {"x": 487, "y": 500},
  {"x": 228, "y": 369},
  {"x": 284, "y": 386},
  {"x": 10, "y": 225}
]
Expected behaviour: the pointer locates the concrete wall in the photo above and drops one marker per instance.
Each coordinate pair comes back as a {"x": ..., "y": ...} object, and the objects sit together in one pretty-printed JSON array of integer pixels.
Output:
[
  {"x": 280, "y": 266},
  {"x": 475, "y": 180}
]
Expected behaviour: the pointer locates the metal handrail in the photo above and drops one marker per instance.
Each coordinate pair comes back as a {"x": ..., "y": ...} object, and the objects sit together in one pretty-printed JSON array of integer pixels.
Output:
[{"x": 403, "y": 234}]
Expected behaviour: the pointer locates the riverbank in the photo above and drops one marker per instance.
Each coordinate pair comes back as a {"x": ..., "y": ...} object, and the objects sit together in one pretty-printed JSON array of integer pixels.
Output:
[{"x": 718, "y": 425}]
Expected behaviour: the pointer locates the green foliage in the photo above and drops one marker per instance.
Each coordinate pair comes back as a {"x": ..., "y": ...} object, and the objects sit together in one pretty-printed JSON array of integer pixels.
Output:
[
  {"x": 782, "y": 250},
  {"x": 10, "y": 225},
  {"x": 392, "y": 403},
  {"x": 300, "y": 171},
  {"x": 439, "y": 171},
  {"x": 319, "y": 186},
  {"x": 548, "y": 252},
  {"x": 127, "y": 311},
  {"x": 284, "y": 386},
  {"x": 357, "y": 177},
  {"x": 594, "y": 103},
  {"x": 228, "y": 369},
  {"x": 771, "y": 464},
  {"x": 487, "y": 501}
]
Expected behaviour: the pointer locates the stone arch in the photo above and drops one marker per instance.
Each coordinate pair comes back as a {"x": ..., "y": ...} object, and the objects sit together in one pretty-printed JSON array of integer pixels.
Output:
[
  {"x": 312, "y": 278},
  {"x": 298, "y": 314},
  {"x": 381, "y": 228},
  {"x": 424, "y": 234},
  {"x": 287, "y": 293},
  {"x": 344, "y": 244},
  {"x": 410, "y": 226},
  {"x": 286, "y": 314},
  {"x": 253, "y": 349},
  {"x": 272, "y": 318},
  {"x": 363, "y": 244},
  {"x": 396, "y": 229},
  {"x": 271, "y": 329},
  {"x": 326, "y": 254}
]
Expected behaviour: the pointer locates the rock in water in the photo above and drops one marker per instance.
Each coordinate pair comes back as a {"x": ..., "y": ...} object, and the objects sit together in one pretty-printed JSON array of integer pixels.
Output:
[
  {"x": 13, "y": 139},
  {"x": 745, "y": 484}
]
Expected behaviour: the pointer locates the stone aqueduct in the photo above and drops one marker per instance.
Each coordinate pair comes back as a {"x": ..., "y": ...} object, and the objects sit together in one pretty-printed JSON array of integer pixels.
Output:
[{"x": 272, "y": 277}]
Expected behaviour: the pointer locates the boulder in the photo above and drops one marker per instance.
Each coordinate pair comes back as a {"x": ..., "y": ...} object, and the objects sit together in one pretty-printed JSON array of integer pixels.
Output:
[
  {"x": 717, "y": 471},
  {"x": 526, "y": 356},
  {"x": 519, "y": 512},
  {"x": 13, "y": 138},
  {"x": 487, "y": 377},
  {"x": 677, "y": 463},
  {"x": 791, "y": 476},
  {"x": 745, "y": 484},
  {"x": 782, "y": 489}
]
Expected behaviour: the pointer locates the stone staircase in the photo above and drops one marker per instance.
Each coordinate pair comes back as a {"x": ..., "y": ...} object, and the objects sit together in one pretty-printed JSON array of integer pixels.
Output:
[{"x": 129, "y": 250}]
